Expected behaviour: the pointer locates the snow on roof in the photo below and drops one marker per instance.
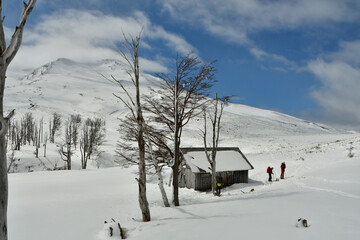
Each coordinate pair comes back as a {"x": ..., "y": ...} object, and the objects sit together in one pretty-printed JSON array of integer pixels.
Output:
[{"x": 226, "y": 160}]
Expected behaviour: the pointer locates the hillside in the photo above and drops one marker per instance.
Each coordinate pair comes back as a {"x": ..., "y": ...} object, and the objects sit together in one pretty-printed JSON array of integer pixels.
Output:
[
  {"x": 321, "y": 180},
  {"x": 69, "y": 87}
]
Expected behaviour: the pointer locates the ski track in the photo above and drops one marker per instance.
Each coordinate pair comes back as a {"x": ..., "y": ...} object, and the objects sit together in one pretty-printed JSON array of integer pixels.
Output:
[
  {"x": 341, "y": 193},
  {"x": 332, "y": 181}
]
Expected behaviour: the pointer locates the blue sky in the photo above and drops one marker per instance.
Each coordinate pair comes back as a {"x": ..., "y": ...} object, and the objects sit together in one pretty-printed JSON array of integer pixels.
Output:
[{"x": 300, "y": 57}]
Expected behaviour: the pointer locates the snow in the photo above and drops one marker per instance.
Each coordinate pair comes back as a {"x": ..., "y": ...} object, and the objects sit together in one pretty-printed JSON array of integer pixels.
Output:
[
  {"x": 322, "y": 181},
  {"x": 226, "y": 161},
  {"x": 323, "y": 189}
]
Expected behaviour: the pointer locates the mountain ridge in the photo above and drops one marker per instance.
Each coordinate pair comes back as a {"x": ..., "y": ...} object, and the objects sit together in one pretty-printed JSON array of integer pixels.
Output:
[{"x": 71, "y": 87}]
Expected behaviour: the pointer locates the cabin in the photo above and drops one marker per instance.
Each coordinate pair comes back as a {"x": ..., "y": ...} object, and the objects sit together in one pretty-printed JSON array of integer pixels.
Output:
[{"x": 195, "y": 173}]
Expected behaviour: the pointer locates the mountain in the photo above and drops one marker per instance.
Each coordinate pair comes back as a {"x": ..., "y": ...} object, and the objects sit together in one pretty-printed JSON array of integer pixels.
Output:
[
  {"x": 68, "y": 87},
  {"x": 321, "y": 180}
]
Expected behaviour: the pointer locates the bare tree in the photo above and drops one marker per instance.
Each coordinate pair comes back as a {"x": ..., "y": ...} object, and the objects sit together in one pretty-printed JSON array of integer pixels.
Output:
[
  {"x": 41, "y": 130},
  {"x": 182, "y": 94},
  {"x": 92, "y": 136},
  {"x": 8, "y": 53},
  {"x": 37, "y": 138},
  {"x": 76, "y": 122},
  {"x": 131, "y": 55},
  {"x": 215, "y": 119},
  {"x": 55, "y": 124},
  {"x": 15, "y": 135},
  {"x": 155, "y": 156},
  {"x": 28, "y": 125},
  {"x": 84, "y": 146},
  {"x": 68, "y": 143},
  {"x": 45, "y": 143}
]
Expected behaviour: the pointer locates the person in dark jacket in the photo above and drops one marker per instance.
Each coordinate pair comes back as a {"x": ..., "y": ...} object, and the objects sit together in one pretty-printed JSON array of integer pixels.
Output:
[
  {"x": 283, "y": 166},
  {"x": 270, "y": 172},
  {"x": 219, "y": 184}
]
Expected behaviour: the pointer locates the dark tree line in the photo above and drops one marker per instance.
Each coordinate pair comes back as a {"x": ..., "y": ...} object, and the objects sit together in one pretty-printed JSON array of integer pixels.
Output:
[
  {"x": 54, "y": 126},
  {"x": 28, "y": 131}
]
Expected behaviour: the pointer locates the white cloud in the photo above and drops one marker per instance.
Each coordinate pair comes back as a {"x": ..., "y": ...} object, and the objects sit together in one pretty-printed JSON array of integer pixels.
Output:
[
  {"x": 275, "y": 59},
  {"x": 173, "y": 41},
  {"x": 339, "y": 95},
  {"x": 88, "y": 36},
  {"x": 153, "y": 66},
  {"x": 258, "y": 53},
  {"x": 349, "y": 52},
  {"x": 234, "y": 20}
]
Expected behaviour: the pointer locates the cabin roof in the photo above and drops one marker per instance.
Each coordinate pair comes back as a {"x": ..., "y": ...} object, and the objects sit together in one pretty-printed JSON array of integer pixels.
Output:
[{"x": 227, "y": 159}]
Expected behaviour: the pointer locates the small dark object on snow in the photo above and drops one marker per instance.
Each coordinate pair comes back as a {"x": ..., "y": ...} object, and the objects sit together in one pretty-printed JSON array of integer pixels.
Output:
[
  {"x": 302, "y": 222},
  {"x": 111, "y": 229},
  {"x": 122, "y": 232},
  {"x": 252, "y": 190}
]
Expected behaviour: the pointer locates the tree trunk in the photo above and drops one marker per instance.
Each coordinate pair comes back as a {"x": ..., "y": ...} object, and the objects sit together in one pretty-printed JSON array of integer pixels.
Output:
[
  {"x": 44, "y": 150},
  {"x": 162, "y": 189},
  {"x": 213, "y": 177},
  {"x": 176, "y": 170},
  {"x": 3, "y": 169},
  {"x": 69, "y": 157},
  {"x": 144, "y": 205},
  {"x": 158, "y": 171},
  {"x": 4, "y": 189}
]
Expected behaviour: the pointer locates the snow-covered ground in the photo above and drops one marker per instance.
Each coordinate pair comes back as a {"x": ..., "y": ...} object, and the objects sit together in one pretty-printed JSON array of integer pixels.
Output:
[
  {"x": 322, "y": 185},
  {"x": 322, "y": 180}
]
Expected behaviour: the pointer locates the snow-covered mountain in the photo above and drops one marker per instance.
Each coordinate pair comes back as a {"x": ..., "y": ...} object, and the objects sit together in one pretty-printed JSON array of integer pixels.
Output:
[
  {"x": 321, "y": 181},
  {"x": 69, "y": 87}
]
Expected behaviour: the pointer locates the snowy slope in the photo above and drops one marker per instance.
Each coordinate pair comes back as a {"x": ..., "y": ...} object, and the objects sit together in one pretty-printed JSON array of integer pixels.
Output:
[
  {"x": 69, "y": 87},
  {"x": 322, "y": 182},
  {"x": 322, "y": 185}
]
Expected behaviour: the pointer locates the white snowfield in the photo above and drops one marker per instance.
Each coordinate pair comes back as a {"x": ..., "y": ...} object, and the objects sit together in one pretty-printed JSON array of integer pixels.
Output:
[{"x": 322, "y": 180}]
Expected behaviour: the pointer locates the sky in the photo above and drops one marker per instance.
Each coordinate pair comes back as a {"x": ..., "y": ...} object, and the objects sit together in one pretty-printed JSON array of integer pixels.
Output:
[{"x": 299, "y": 57}]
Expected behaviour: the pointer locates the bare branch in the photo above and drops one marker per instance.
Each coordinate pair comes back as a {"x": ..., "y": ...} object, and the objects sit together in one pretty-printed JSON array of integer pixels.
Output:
[
  {"x": 2, "y": 33},
  {"x": 124, "y": 89},
  {"x": 16, "y": 38}
]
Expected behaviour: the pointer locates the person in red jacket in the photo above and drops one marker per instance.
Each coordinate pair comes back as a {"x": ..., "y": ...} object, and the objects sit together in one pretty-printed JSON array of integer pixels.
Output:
[
  {"x": 283, "y": 166},
  {"x": 269, "y": 171}
]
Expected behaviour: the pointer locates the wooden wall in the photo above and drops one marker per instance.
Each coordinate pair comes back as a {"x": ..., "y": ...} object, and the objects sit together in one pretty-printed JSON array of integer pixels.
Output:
[{"x": 202, "y": 181}]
